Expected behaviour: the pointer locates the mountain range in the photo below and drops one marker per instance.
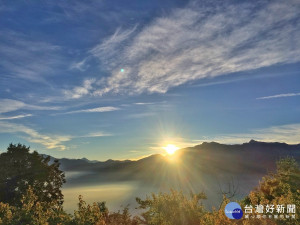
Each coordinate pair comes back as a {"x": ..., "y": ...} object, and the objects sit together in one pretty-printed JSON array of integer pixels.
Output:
[
  {"x": 210, "y": 167},
  {"x": 239, "y": 161}
]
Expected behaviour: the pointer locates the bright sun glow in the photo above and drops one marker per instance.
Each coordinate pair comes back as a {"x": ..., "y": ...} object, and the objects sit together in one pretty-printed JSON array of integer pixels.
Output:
[{"x": 171, "y": 149}]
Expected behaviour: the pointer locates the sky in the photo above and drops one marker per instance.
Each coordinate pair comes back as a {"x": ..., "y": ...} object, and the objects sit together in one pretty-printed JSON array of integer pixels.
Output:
[{"x": 120, "y": 79}]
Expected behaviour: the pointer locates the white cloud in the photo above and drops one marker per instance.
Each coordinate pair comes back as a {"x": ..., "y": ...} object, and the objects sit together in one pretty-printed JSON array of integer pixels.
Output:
[
  {"x": 49, "y": 141},
  {"x": 140, "y": 115},
  {"x": 99, "y": 109},
  {"x": 10, "y": 105},
  {"x": 289, "y": 133},
  {"x": 37, "y": 107},
  {"x": 28, "y": 59},
  {"x": 14, "y": 117},
  {"x": 80, "y": 91},
  {"x": 109, "y": 48},
  {"x": 82, "y": 66},
  {"x": 280, "y": 96},
  {"x": 197, "y": 42},
  {"x": 143, "y": 103},
  {"x": 97, "y": 134}
]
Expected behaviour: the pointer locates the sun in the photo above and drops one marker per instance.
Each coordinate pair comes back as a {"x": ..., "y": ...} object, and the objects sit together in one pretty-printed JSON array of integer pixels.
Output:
[{"x": 171, "y": 149}]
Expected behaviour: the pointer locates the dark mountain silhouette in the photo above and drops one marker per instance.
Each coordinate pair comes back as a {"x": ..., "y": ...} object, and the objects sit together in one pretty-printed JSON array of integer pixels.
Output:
[
  {"x": 210, "y": 167},
  {"x": 246, "y": 161}
]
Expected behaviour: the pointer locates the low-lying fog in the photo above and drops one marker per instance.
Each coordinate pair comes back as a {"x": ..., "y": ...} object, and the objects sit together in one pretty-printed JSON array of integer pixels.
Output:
[{"x": 120, "y": 194}]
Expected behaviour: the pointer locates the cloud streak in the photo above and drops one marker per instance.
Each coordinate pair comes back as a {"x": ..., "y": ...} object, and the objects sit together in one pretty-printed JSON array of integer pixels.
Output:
[
  {"x": 28, "y": 59},
  {"x": 95, "y": 134},
  {"x": 280, "y": 96},
  {"x": 109, "y": 48},
  {"x": 80, "y": 91},
  {"x": 140, "y": 115},
  {"x": 144, "y": 103},
  {"x": 48, "y": 141},
  {"x": 198, "y": 42},
  {"x": 31, "y": 135},
  {"x": 289, "y": 133},
  {"x": 94, "y": 110},
  {"x": 10, "y": 105},
  {"x": 14, "y": 117}
]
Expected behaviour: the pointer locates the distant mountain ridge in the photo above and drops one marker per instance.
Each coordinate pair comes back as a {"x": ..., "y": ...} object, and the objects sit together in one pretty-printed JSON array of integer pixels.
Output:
[
  {"x": 259, "y": 148},
  {"x": 208, "y": 167},
  {"x": 212, "y": 158}
]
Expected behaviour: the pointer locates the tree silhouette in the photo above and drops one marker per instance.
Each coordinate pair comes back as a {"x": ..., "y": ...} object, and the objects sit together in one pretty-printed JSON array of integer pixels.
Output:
[{"x": 20, "y": 169}]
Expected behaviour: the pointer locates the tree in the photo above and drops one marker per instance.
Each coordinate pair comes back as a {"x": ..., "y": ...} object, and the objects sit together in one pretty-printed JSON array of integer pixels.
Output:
[
  {"x": 20, "y": 169},
  {"x": 172, "y": 208},
  {"x": 279, "y": 188},
  {"x": 98, "y": 214},
  {"x": 33, "y": 212},
  {"x": 88, "y": 214}
]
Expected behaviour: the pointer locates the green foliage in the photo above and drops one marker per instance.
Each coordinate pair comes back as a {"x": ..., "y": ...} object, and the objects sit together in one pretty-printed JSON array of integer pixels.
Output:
[
  {"x": 280, "y": 188},
  {"x": 172, "y": 209},
  {"x": 21, "y": 169},
  {"x": 122, "y": 218},
  {"x": 88, "y": 214},
  {"x": 31, "y": 211}
]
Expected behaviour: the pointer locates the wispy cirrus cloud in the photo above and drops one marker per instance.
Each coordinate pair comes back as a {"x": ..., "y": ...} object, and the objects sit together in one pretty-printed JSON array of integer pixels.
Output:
[
  {"x": 10, "y": 105},
  {"x": 31, "y": 135},
  {"x": 280, "y": 96},
  {"x": 289, "y": 133},
  {"x": 82, "y": 66},
  {"x": 49, "y": 141},
  {"x": 140, "y": 115},
  {"x": 94, "y": 110},
  {"x": 14, "y": 117},
  {"x": 96, "y": 134},
  {"x": 144, "y": 103},
  {"x": 80, "y": 91},
  {"x": 27, "y": 58},
  {"x": 197, "y": 42},
  {"x": 109, "y": 48}
]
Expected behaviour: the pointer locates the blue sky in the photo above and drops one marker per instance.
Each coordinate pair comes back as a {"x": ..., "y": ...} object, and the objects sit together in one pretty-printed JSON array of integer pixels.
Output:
[{"x": 120, "y": 79}]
